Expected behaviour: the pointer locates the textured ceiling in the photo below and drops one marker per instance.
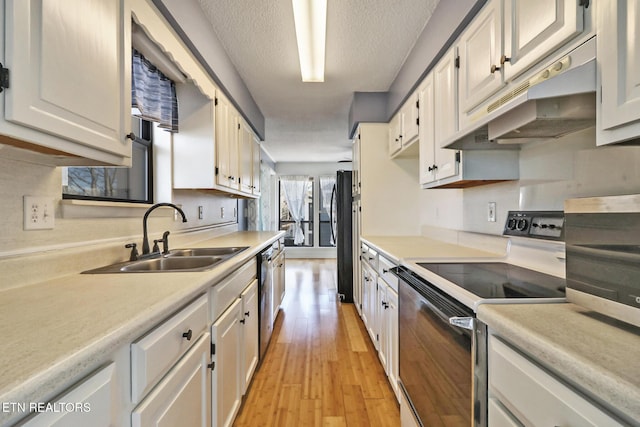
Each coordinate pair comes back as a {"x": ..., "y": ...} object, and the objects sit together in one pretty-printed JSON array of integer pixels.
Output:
[{"x": 367, "y": 43}]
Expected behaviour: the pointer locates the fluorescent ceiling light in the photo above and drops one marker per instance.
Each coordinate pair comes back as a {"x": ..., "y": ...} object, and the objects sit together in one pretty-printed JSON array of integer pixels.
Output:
[{"x": 310, "y": 18}]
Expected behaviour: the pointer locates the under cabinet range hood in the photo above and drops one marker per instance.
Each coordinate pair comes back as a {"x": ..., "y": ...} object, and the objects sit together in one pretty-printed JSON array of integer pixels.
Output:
[{"x": 556, "y": 101}]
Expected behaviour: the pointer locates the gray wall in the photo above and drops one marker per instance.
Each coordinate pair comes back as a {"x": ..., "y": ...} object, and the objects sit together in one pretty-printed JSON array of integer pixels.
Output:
[{"x": 187, "y": 18}]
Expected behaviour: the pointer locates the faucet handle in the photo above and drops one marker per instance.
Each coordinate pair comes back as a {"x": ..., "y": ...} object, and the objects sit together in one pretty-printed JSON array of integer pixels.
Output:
[
  {"x": 134, "y": 251},
  {"x": 165, "y": 242},
  {"x": 156, "y": 248}
]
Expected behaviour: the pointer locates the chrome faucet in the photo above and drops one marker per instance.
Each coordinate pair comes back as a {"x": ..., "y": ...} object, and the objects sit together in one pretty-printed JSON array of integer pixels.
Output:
[{"x": 145, "y": 237}]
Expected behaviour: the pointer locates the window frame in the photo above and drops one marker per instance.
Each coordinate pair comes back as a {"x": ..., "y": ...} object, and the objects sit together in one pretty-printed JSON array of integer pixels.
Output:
[{"x": 145, "y": 130}]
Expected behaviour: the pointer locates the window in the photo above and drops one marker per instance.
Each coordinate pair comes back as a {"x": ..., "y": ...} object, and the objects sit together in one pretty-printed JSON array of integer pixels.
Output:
[
  {"x": 326, "y": 211},
  {"x": 133, "y": 184},
  {"x": 296, "y": 210}
]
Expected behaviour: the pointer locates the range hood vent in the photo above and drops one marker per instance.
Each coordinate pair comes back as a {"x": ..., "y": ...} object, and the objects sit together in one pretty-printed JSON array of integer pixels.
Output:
[{"x": 555, "y": 102}]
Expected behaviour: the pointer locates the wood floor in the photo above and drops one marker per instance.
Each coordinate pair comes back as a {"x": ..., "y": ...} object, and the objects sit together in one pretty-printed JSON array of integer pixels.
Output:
[{"x": 321, "y": 369}]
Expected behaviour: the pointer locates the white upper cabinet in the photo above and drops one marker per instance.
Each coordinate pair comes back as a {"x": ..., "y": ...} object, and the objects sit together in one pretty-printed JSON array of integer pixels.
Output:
[
  {"x": 410, "y": 119},
  {"x": 395, "y": 134},
  {"x": 534, "y": 29},
  {"x": 618, "y": 70},
  {"x": 445, "y": 80},
  {"x": 427, "y": 133},
  {"x": 70, "y": 67},
  {"x": 480, "y": 49},
  {"x": 245, "y": 145},
  {"x": 226, "y": 133},
  {"x": 257, "y": 161}
]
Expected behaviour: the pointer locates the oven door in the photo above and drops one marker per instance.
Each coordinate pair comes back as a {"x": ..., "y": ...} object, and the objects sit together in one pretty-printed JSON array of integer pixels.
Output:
[{"x": 437, "y": 359}]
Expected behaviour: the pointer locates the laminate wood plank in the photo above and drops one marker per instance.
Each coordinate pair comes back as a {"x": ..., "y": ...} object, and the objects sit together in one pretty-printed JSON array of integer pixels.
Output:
[{"x": 321, "y": 368}]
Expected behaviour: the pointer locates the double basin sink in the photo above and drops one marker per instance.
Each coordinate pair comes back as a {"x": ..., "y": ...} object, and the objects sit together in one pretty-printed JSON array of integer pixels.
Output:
[{"x": 192, "y": 259}]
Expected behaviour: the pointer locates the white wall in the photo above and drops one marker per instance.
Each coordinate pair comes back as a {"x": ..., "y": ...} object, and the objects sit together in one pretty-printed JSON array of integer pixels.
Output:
[{"x": 550, "y": 172}]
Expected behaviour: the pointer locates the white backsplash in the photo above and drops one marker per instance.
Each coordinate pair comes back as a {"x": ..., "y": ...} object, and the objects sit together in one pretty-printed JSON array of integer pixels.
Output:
[{"x": 550, "y": 172}]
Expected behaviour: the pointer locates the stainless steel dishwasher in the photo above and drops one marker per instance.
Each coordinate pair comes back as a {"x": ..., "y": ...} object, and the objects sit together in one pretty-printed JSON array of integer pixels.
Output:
[{"x": 265, "y": 282}]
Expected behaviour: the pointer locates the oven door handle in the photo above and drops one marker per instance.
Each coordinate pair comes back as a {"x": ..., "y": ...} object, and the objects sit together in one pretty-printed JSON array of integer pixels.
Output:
[{"x": 463, "y": 322}]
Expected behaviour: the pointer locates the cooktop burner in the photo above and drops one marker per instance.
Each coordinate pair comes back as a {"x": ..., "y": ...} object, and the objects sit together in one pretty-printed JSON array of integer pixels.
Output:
[{"x": 499, "y": 280}]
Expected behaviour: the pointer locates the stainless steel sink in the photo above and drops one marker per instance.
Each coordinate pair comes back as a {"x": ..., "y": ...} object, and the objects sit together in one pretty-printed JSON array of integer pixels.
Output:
[
  {"x": 191, "y": 259},
  {"x": 191, "y": 252},
  {"x": 193, "y": 263},
  {"x": 160, "y": 265}
]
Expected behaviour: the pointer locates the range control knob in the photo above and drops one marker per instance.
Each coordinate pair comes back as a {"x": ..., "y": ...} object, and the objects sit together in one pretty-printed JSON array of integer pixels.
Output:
[{"x": 522, "y": 224}]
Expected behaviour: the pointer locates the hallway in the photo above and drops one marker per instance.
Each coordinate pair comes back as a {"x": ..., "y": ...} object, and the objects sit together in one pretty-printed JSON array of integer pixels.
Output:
[{"x": 321, "y": 369}]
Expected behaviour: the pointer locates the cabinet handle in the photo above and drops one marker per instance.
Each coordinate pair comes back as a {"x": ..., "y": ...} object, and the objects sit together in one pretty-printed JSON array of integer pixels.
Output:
[
  {"x": 385, "y": 271},
  {"x": 504, "y": 59},
  {"x": 211, "y": 365},
  {"x": 242, "y": 321},
  {"x": 370, "y": 258},
  {"x": 187, "y": 335},
  {"x": 247, "y": 313},
  {"x": 131, "y": 136},
  {"x": 494, "y": 68}
]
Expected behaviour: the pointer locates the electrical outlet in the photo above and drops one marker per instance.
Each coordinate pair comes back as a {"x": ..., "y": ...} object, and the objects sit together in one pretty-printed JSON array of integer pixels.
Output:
[
  {"x": 222, "y": 212},
  {"x": 200, "y": 212},
  {"x": 491, "y": 212},
  {"x": 39, "y": 213}
]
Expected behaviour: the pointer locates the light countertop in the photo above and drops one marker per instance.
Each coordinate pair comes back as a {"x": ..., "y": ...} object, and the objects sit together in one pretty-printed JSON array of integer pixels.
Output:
[
  {"x": 55, "y": 330},
  {"x": 397, "y": 248},
  {"x": 599, "y": 355}
]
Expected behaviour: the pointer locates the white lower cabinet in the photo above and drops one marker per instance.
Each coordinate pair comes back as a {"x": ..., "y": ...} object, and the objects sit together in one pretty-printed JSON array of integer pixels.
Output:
[
  {"x": 183, "y": 397},
  {"x": 250, "y": 333},
  {"x": 91, "y": 401},
  {"x": 369, "y": 302},
  {"x": 226, "y": 336},
  {"x": 522, "y": 393}
]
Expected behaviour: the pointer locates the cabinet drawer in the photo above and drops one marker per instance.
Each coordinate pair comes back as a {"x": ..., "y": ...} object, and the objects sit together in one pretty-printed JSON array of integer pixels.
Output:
[
  {"x": 370, "y": 256},
  {"x": 500, "y": 417},
  {"x": 536, "y": 397},
  {"x": 384, "y": 270},
  {"x": 91, "y": 401},
  {"x": 156, "y": 352},
  {"x": 183, "y": 397},
  {"x": 225, "y": 292}
]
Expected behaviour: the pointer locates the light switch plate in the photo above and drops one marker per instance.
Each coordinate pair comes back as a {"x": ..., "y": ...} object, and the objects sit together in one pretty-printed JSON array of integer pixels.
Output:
[{"x": 39, "y": 213}]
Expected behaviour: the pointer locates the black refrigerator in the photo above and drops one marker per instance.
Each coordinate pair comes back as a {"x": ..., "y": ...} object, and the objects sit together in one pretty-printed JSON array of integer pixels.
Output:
[{"x": 341, "y": 233}]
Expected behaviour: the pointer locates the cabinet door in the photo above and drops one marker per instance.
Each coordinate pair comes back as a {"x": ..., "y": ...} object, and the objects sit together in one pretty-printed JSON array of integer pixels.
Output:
[
  {"x": 256, "y": 160},
  {"x": 95, "y": 396},
  {"x": 410, "y": 122},
  {"x": 369, "y": 303},
  {"x": 249, "y": 333},
  {"x": 227, "y": 130},
  {"x": 245, "y": 152},
  {"x": 383, "y": 330},
  {"x": 392, "y": 314},
  {"x": 70, "y": 70},
  {"x": 619, "y": 66},
  {"x": 183, "y": 398},
  {"x": 480, "y": 48},
  {"x": 445, "y": 81},
  {"x": 427, "y": 135},
  {"x": 226, "y": 380},
  {"x": 395, "y": 134},
  {"x": 534, "y": 29},
  {"x": 278, "y": 282},
  {"x": 447, "y": 163}
]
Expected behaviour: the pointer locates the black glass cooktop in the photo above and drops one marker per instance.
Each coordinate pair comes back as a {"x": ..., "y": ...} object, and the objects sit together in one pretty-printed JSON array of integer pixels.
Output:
[{"x": 499, "y": 280}]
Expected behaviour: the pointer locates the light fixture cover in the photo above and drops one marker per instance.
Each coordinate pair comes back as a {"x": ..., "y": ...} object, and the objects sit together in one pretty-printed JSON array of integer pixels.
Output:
[{"x": 310, "y": 18}]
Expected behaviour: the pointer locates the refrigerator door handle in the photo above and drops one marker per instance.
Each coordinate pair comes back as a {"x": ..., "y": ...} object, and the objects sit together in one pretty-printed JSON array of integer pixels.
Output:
[{"x": 333, "y": 200}]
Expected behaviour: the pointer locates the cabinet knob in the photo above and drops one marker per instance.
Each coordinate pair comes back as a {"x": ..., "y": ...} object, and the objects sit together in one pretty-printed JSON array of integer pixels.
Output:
[
  {"x": 187, "y": 335},
  {"x": 384, "y": 271},
  {"x": 430, "y": 168},
  {"x": 435, "y": 167},
  {"x": 131, "y": 136},
  {"x": 504, "y": 59},
  {"x": 247, "y": 313},
  {"x": 370, "y": 258},
  {"x": 494, "y": 68},
  {"x": 211, "y": 365},
  {"x": 242, "y": 321}
]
